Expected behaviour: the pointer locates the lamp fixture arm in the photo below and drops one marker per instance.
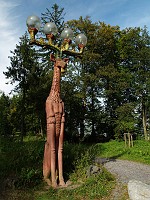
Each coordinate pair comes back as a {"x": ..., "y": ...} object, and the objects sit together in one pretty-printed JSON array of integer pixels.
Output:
[{"x": 55, "y": 48}]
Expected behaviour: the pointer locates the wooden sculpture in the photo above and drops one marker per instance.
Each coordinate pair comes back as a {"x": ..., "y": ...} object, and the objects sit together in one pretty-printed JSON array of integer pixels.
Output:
[
  {"x": 53, "y": 159},
  {"x": 53, "y": 153}
]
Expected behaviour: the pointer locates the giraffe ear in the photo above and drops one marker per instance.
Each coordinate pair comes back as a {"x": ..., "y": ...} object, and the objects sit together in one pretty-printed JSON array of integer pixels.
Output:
[{"x": 52, "y": 57}]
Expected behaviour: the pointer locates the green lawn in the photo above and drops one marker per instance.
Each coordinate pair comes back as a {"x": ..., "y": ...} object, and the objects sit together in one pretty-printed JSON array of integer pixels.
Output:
[
  {"x": 23, "y": 163},
  {"x": 140, "y": 152}
]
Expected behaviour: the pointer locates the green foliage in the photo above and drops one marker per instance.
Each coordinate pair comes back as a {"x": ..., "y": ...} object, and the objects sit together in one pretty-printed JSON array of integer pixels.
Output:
[
  {"x": 5, "y": 126},
  {"x": 72, "y": 154},
  {"x": 22, "y": 160},
  {"x": 56, "y": 15},
  {"x": 113, "y": 74},
  {"x": 126, "y": 119},
  {"x": 23, "y": 61}
]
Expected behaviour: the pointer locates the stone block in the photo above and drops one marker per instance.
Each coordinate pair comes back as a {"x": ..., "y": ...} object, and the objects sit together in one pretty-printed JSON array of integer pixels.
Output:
[{"x": 138, "y": 190}]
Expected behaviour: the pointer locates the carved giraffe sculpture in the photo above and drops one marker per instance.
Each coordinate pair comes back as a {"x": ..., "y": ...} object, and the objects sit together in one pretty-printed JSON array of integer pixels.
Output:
[
  {"x": 53, "y": 160},
  {"x": 53, "y": 153}
]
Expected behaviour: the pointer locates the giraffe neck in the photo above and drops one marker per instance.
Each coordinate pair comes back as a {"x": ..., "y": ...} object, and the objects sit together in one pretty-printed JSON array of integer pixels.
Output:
[{"x": 55, "y": 89}]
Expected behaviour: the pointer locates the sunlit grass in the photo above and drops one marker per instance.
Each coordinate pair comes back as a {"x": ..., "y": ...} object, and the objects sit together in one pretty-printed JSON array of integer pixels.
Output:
[{"x": 140, "y": 152}]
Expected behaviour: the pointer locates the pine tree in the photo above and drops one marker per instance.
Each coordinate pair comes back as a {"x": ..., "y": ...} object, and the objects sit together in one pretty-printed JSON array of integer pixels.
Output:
[{"x": 23, "y": 62}]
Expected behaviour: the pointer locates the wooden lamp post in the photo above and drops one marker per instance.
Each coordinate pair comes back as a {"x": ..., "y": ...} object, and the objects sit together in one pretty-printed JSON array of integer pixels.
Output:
[{"x": 55, "y": 116}]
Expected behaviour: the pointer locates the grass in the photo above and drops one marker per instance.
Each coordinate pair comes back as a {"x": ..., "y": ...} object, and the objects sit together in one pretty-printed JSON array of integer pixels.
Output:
[
  {"x": 93, "y": 188},
  {"x": 140, "y": 152},
  {"x": 23, "y": 163}
]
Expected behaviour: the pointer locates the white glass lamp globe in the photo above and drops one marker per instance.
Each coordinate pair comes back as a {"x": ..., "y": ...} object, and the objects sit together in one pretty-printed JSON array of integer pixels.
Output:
[
  {"x": 33, "y": 22},
  {"x": 67, "y": 33},
  {"x": 50, "y": 28},
  {"x": 81, "y": 39}
]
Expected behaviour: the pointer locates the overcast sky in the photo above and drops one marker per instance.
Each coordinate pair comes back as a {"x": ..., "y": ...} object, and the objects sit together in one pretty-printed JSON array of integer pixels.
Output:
[{"x": 13, "y": 15}]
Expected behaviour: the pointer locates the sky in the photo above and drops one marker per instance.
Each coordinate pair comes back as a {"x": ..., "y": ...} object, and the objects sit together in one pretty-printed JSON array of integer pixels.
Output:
[{"x": 13, "y": 15}]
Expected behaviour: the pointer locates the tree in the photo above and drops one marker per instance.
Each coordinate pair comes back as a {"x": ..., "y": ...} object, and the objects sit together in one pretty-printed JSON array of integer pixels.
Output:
[
  {"x": 55, "y": 15},
  {"x": 112, "y": 76},
  {"x": 126, "y": 119},
  {"x": 5, "y": 127},
  {"x": 85, "y": 72},
  {"x": 23, "y": 62},
  {"x": 134, "y": 52},
  {"x": 100, "y": 77}
]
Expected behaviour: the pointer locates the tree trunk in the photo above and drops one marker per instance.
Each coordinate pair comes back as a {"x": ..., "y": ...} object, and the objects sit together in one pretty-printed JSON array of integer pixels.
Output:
[
  {"x": 82, "y": 118},
  {"x": 144, "y": 119},
  {"x": 82, "y": 127},
  {"x": 23, "y": 117},
  {"x": 93, "y": 134}
]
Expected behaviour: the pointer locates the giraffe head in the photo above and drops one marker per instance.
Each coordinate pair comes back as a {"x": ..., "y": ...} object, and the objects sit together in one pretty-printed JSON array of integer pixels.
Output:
[{"x": 60, "y": 63}]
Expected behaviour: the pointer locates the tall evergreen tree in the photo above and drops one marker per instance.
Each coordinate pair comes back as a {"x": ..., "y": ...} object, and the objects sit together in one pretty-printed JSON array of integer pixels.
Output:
[{"x": 23, "y": 61}]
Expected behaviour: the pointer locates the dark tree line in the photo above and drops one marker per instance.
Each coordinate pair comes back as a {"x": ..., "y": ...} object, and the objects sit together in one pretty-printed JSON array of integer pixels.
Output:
[{"x": 105, "y": 92}]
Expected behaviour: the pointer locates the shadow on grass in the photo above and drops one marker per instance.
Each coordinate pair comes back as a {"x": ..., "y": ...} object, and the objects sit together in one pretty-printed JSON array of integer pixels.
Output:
[
  {"x": 21, "y": 166},
  {"x": 102, "y": 161},
  {"x": 21, "y": 163},
  {"x": 72, "y": 155}
]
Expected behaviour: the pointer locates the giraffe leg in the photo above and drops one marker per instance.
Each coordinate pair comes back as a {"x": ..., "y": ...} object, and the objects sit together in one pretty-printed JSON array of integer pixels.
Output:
[
  {"x": 53, "y": 155},
  {"x": 47, "y": 159},
  {"x": 60, "y": 156}
]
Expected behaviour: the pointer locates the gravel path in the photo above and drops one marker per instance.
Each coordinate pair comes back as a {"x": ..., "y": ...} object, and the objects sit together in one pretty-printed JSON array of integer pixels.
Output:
[
  {"x": 125, "y": 171},
  {"x": 128, "y": 170}
]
